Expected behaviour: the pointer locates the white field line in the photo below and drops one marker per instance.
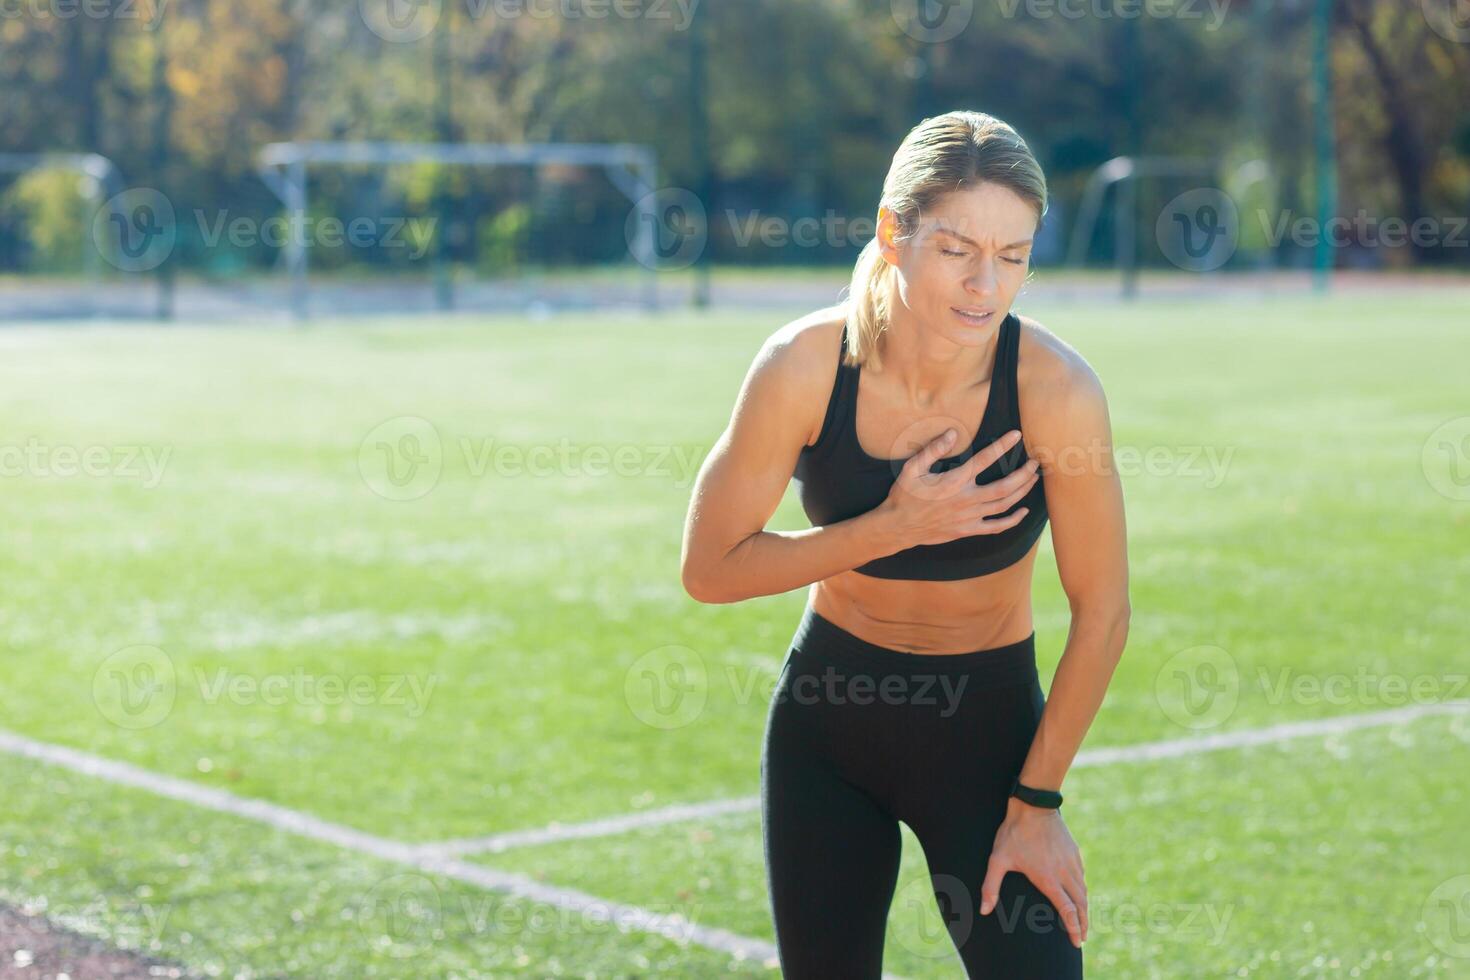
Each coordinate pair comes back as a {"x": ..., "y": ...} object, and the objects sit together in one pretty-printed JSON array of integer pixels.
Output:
[
  {"x": 604, "y": 827},
  {"x": 427, "y": 857},
  {"x": 1241, "y": 738},
  {"x": 1140, "y": 752},
  {"x": 670, "y": 925}
]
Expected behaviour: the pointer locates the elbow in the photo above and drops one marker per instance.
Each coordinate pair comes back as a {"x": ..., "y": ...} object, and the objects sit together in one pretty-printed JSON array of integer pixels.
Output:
[
  {"x": 1110, "y": 617},
  {"x": 1119, "y": 632},
  {"x": 700, "y": 586},
  {"x": 694, "y": 586},
  {"x": 1111, "y": 606},
  {"x": 1117, "y": 614},
  {"x": 707, "y": 575},
  {"x": 710, "y": 589}
]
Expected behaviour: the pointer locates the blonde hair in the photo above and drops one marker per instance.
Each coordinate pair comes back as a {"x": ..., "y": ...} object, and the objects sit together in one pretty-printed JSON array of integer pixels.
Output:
[{"x": 939, "y": 155}]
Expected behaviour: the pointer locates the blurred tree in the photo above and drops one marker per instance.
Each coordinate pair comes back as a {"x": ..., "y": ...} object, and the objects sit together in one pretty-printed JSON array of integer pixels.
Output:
[
  {"x": 807, "y": 101},
  {"x": 1405, "y": 88}
]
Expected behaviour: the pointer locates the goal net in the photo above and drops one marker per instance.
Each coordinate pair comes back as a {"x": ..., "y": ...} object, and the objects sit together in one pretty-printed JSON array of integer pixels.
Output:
[{"x": 370, "y": 227}]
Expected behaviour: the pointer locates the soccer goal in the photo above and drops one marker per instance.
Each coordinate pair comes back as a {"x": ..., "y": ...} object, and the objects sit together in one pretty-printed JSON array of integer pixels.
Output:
[
  {"x": 489, "y": 227},
  {"x": 98, "y": 185},
  {"x": 1197, "y": 220}
]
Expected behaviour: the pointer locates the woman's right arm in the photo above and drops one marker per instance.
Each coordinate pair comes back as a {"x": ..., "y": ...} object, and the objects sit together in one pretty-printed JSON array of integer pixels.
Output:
[{"x": 727, "y": 553}]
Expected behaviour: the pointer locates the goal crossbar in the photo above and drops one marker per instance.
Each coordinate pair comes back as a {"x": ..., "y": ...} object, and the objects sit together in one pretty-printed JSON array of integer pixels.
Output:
[
  {"x": 1126, "y": 172},
  {"x": 632, "y": 168}
]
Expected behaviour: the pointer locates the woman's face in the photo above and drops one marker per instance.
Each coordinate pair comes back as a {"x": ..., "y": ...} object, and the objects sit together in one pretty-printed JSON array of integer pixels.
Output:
[{"x": 965, "y": 263}]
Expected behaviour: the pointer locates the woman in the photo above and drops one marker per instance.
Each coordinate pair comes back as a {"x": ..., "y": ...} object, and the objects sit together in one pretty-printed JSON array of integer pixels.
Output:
[{"x": 910, "y": 690}]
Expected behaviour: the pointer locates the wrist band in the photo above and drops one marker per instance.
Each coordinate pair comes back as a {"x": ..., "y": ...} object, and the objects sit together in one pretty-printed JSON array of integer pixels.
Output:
[{"x": 1045, "y": 798}]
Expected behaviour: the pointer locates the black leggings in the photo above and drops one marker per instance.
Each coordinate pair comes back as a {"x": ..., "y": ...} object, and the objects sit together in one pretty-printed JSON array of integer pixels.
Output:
[{"x": 859, "y": 737}]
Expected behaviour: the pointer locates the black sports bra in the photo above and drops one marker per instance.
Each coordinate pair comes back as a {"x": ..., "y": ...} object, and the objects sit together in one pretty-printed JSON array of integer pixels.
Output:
[{"x": 837, "y": 480}]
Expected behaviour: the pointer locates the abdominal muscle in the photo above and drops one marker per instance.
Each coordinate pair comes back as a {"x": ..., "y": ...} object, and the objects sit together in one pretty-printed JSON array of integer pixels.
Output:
[{"x": 931, "y": 617}]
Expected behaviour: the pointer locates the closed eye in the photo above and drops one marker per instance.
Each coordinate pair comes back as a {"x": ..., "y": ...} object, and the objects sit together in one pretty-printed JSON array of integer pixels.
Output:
[{"x": 961, "y": 254}]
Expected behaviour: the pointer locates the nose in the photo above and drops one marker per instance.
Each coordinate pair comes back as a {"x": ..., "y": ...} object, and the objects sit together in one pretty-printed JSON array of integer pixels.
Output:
[{"x": 982, "y": 281}]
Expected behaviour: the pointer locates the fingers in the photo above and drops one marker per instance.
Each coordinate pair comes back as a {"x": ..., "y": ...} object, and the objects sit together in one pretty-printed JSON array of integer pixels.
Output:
[
  {"x": 1077, "y": 894},
  {"x": 993, "y": 525},
  {"x": 1021, "y": 478},
  {"x": 933, "y": 449},
  {"x": 990, "y": 887},
  {"x": 981, "y": 461},
  {"x": 1053, "y": 889},
  {"x": 1069, "y": 900},
  {"x": 989, "y": 506},
  {"x": 1078, "y": 891}
]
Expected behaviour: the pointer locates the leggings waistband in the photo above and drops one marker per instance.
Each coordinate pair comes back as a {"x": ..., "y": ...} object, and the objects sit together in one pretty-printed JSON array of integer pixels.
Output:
[{"x": 822, "y": 639}]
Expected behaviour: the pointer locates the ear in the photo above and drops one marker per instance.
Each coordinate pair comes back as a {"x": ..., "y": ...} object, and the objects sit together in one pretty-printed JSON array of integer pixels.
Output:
[{"x": 885, "y": 233}]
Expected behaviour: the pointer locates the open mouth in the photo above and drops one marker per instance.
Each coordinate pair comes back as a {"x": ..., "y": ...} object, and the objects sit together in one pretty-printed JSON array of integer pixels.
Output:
[{"x": 975, "y": 317}]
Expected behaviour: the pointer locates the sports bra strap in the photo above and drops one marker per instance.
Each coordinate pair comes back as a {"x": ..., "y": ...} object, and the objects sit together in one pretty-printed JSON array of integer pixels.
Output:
[{"x": 1003, "y": 382}]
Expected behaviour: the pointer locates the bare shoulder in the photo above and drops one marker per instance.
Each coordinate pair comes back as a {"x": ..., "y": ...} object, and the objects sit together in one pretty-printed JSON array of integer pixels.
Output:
[
  {"x": 1055, "y": 382},
  {"x": 1047, "y": 364},
  {"x": 798, "y": 361}
]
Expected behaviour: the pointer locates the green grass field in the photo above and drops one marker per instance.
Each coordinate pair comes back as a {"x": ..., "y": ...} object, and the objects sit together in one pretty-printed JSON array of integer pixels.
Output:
[{"x": 218, "y": 564}]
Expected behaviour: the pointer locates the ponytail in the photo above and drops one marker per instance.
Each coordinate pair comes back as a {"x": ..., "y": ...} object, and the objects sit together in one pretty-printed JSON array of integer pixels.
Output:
[{"x": 867, "y": 316}]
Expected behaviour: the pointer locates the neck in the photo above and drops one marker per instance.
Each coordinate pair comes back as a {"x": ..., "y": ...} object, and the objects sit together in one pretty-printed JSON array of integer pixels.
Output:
[{"x": 925, "y": 364}]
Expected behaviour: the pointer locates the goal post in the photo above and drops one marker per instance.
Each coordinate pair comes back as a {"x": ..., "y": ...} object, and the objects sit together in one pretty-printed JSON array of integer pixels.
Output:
[
  {"x": 99, "y": 182},
  {"x": 631, "y": 168},
  {"x": 1125, "y": 173}
]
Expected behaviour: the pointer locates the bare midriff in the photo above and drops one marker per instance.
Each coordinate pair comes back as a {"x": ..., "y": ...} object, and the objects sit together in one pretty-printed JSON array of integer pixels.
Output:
[{"x": 962, "y": 616}]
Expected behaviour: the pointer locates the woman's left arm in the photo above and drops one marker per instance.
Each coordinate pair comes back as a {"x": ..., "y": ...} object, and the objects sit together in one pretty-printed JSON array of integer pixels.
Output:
[{"x": 1066, "y": 429}]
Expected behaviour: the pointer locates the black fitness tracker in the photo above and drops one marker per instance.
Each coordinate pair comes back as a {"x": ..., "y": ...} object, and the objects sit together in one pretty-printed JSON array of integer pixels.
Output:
[{"x": 1048, "y": 799}]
